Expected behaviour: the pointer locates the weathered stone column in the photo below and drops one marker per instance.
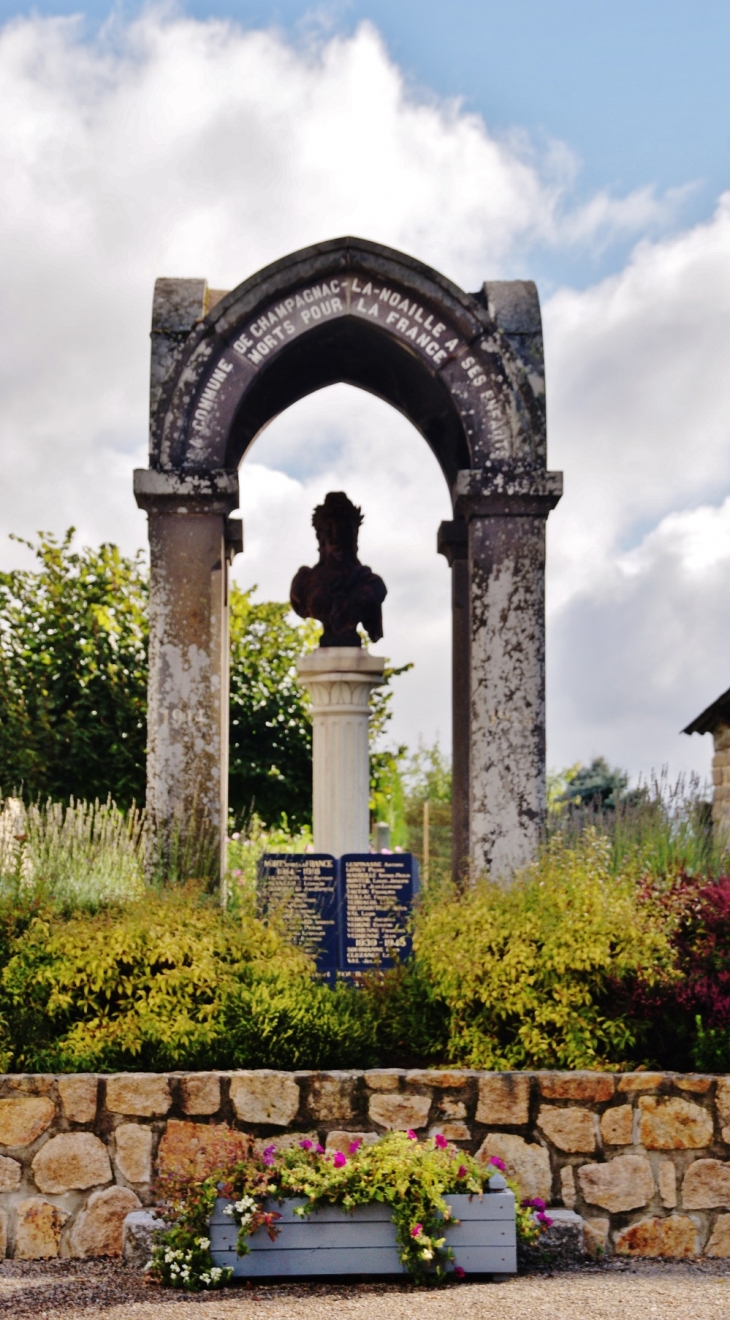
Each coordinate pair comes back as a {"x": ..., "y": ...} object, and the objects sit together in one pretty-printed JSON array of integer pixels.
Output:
[
  {"x": 191, "y": 543},
  {"x": 453, "y": 543},
  {"x": 506, "y": 508},
  {"x": 339, "y": 680}
]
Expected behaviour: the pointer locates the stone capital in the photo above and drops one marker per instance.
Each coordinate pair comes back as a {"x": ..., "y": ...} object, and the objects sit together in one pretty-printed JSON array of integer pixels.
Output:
[
  {"x": 453, "y": 540},
  {"x": 174, "y": 491},
  {"x": 501, "y": 490}
]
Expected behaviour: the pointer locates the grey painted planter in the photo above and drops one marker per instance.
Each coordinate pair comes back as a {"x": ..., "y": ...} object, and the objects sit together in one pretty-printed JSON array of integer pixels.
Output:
[{"x": 330, "y": 1241}]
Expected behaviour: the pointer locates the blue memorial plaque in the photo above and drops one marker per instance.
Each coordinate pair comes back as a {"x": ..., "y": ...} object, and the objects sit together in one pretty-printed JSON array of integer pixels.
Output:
[
  {"x": 303, "y": 888},
  {"x": 377, "y": 898}
]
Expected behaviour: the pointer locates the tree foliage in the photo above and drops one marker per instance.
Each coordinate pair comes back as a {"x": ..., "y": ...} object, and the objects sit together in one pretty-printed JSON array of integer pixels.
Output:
[
  {"x": 271, "y": 730},
  {"x": 73, "y": 674}
]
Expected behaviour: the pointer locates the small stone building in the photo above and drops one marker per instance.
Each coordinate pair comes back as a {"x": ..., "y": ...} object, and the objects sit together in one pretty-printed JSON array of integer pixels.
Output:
[{"x": 716, "y": 720}]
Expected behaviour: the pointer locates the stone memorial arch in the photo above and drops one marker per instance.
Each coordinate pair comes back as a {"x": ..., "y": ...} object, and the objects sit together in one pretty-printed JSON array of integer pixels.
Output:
[{"x": 467, "y": 371}]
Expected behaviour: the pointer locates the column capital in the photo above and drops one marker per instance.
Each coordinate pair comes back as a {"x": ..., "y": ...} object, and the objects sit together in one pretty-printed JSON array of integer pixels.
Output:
[
  {"x": 175, "y": 491},
  {"x": 452, "y": 540},
  {"x": 506, "y": 490}
]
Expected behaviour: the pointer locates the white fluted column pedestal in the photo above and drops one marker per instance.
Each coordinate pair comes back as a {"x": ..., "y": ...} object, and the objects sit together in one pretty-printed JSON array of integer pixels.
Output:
[{"x": 339, "y": 680}]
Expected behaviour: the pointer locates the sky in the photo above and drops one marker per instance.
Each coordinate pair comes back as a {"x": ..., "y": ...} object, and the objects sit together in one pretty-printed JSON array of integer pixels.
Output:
[{"x": 583, "y": 145}]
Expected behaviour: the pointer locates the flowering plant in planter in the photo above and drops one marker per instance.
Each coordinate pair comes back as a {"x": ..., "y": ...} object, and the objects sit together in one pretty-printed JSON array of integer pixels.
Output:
[{"x": 410, "y": 1176}]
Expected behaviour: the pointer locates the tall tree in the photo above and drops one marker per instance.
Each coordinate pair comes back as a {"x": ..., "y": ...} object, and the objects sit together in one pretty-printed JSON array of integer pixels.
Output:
[{"x": 73, "y": 674}]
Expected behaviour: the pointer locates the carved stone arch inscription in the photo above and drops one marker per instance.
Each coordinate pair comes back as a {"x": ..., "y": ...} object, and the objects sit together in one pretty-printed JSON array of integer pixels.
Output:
[{"x": 466, "y": 369}]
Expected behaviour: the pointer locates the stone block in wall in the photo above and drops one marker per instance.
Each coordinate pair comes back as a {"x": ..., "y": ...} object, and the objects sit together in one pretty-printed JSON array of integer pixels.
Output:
[
  {"x": 400, "y": 1112},
  {"x": 449, "y": 1108},
  {"x": 3, "y": 1234},
  {"x": 706, "y": 1185},
  {"x": 640, "y": 1081},
  {"x": 696, "y": 1082},
  {"x": 38, "y": 1226},
  {"x": 341, "y": 1141},
  {"x": 201, "y": 1093},
  {"x": 623, "y": 1183},
  {"x": 595, "y": 1236},
  {"x": 675, "y": 1236},
  {"x": 527, "y": 1162},
  {"x": 567, "y": 1186},
  {"x": 284, "y": 1141},
  {"x": 504, "y": 1099},
  {"x": 24, "y": 1118},
  {"x": 719, "y": 1243},
  {"x": 332, "y": 1097},
  {"x": 10, "y": 1173},
  {"x": 673, "y": 1124},
  {"x": 196, "y": 1149},
  {"x": 98, "y": 1229},
  {"x": 133, "y": 1152},
  {"x": 589, "y": 1086},
  {"x": 441, "y": 1077},
  {"x": 79, "y": 1097},
  {"x": 722, "y": 1099},
  {"x": 139, "y": 1237},
  {"x": 72, "y": 1161},
  {"x": 141, "y": 1095},
  {"x": 453, "y": 1131},
  {"x": 265, "y": 1097},
  {"x": 384, "y": 1079},
  {"x": 571, "y": 1130},
  {"x": 668, "y": 1184},
  {"x": 617, "y": 1125}
]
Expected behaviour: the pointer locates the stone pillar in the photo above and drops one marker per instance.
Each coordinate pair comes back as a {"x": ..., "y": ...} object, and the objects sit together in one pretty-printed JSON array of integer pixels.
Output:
[
  {"x": 339, "y": 680},
  {"x": 453, "y": 543},
  {"x": 506, "y": 508},
  {"x": 721, "y": 781},
  {"x": 191, "y": 542}
]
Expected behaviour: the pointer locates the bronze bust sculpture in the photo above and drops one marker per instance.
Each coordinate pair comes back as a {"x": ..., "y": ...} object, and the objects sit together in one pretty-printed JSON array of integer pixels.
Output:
[{"x": 339, "y": 591}]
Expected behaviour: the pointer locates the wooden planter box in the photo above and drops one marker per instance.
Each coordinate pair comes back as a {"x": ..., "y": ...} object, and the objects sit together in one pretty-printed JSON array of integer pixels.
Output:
[{"x": 330, "y": 1241}]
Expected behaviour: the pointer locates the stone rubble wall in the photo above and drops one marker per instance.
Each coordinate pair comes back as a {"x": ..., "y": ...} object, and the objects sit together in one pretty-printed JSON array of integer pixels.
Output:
[{"x": 644, "y": 1158}]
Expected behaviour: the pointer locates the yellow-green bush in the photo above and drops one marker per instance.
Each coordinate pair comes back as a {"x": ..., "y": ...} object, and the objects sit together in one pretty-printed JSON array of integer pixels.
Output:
[
  {"x": 143, "y": 985},
  {"x": 526, "y": 972}
]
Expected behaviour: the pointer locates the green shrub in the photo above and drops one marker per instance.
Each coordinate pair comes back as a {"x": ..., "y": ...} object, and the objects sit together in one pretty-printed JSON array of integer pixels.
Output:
[
  {"x": 526, "y": 972},
  {"x": 137, "y": 987}
]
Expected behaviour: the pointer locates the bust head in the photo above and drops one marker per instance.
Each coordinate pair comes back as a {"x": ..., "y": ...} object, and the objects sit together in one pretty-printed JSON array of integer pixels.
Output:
[{"x": 339, "y": 591}]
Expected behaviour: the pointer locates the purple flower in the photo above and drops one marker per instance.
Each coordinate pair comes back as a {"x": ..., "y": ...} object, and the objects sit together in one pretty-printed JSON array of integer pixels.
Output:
[
  {"x": 411, "y": 1135},
  {"x": 306, "y": 1144},
  {"x": 534, "y": 1203},
  {"x": 461, "y": 1171},
  {"x": 497, "y": 1163},
  {"x": 440, "y": 1141},
  {"x": 355, "y": 1146},
  {"x": 544, "y": 1219},
  {"x": 269, "y": 1155},
  {"x": 340, "y": 1160},
  {"x": 416, "y": 1230},
  {"x": 459, "y": 1271}
]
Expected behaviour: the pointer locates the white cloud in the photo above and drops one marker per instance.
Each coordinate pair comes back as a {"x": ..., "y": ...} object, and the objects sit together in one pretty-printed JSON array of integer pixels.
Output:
[{"x": 184, "y": 148}]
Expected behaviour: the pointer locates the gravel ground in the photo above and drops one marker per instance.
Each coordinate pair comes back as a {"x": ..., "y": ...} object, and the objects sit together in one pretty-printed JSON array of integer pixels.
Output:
[{"x": 83, "y": 1290}]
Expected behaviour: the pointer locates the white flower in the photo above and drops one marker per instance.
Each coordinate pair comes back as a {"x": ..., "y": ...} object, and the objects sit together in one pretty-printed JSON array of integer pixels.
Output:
[
  {"x": 229, "y": 1210},
  {"x": 426, "y": 1254},
  {"x": 203, "y": 1243}
]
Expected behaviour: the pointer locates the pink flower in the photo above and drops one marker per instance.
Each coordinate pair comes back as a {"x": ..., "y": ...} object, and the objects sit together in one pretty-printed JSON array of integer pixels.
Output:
[
  {"x": 459, "y": 1271},
  {"x": 411, "y": 1135},
  {"x": 461, "y": 1171},
  {"x": 416, "y": 1230},
  {"x": 355, "y": 1146},
  {"x": 306, "y": 1144},
  {"x": 440, "y": 1141},
  {"x": 497, "y": 1163},
  {"x": 319, "y": 1149},
  {"x": 340, "y": 1160},
  {"x": 269, "y": 1155}
]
